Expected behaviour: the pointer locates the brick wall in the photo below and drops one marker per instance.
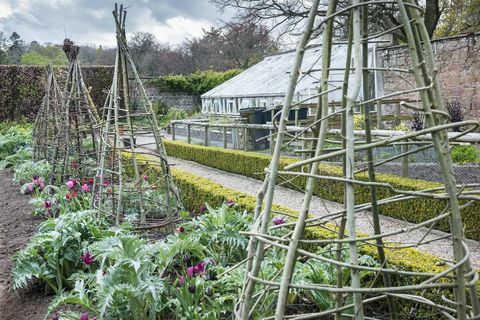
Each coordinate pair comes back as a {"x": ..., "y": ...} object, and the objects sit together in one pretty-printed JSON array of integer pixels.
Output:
[{"x": 458, "y": 61}]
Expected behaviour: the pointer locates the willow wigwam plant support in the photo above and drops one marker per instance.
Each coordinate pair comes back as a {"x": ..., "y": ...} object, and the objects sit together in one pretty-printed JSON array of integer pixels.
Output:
[
  {"x": 66, "y": 127},
  {"x": 133, "y": 174},
  {"x": 47, "y": 122},
  {"x": 457, "y": 278}
]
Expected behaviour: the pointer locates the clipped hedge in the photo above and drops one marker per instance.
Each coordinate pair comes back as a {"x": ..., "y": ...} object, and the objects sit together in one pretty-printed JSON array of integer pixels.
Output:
[{"x": 251, "y": 164}]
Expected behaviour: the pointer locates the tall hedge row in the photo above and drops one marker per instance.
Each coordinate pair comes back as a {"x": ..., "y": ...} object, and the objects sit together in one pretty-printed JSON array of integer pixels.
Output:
[
  {"x": 252, "y": 165},
  {"x": 22, "y": 88}
]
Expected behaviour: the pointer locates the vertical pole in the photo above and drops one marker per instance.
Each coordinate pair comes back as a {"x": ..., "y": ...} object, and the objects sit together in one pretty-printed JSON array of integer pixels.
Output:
[
  {"x": 304, "y": 145},
  {"x": 371, "y": 171},
  {"x": 225, "y": 137},
  {"x": 205, "y": 141},
  {"x": 379, "y": 115},
  {"x": 189, "y": 134},
  {"x": 245, "y": 138},
  {"x": 173, "y": 130},
  {"x": 350, "y": 157},
  {"x": 254, "y": 265},
  {"x": 405, "y": 161},
  {"x": 341, "y": 230},
  {"x": 272, "y": 141},
  {"x": 322, "y": 112}
]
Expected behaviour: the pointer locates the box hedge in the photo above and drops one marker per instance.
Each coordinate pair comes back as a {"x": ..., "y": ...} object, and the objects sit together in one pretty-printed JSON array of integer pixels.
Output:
[{"x": 251, "y": 164}]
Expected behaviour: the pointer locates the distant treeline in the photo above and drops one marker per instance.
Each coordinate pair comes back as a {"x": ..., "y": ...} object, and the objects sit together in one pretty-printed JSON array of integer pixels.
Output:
[{"x": 235, "y": 45}]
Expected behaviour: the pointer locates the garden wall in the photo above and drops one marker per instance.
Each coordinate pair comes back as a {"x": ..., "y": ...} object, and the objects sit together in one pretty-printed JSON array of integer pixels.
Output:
[
  {"x": 179, "y": 100},
  {"x": 22, "y": 88},
  {"x": 458, "y": 62}
]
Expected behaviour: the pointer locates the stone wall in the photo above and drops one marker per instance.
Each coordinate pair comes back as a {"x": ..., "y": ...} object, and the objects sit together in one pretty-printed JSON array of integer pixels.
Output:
[
  {"x": 179, "y": 100},
  {"x": 22, "y": 88},
  {"x": 458, "y": 61}
]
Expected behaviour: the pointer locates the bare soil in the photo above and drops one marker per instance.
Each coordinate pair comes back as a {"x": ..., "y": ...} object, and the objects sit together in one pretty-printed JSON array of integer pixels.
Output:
[{"x": 17, "y": 225}]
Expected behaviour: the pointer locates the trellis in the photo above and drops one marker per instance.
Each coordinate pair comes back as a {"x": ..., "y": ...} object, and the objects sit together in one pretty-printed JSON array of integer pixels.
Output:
[
  {"x": 458, "y": 278},
  {"x": 66, "y": 127},
  {"x": 133, "y": 178}
]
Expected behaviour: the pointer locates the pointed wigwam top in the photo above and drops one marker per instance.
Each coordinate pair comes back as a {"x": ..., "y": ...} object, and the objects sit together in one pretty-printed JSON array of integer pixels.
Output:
[{"x": 133, "y": 178}]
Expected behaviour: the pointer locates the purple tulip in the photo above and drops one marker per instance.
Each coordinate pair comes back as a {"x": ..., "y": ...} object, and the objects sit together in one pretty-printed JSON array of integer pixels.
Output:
[
  {"x": 190, "y": 271},
  {"x": 84, "y": 316},
  {"x": 87, "y": 258},
  {"x": 203, "y": 208},
  {"x": 199, "y": 268},
  {"x": 181, "y": 280},
  {"x": 48, "y": 204},
  {"x": 55, "y": 316},
  {"x": 230, "y": 203},
  {"x": 30, "y": 187},
  {"x": 278, "y": 220}
]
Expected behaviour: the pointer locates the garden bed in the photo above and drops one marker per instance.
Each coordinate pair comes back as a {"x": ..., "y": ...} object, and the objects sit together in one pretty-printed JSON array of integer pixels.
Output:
[{"x": 17, "y": 225}]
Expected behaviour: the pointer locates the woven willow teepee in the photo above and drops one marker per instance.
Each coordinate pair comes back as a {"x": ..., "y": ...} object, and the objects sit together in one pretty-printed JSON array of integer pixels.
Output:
[
  {"x": 133, "y": 179},
  {"x": 265, "y": 291},
  {"x": 66, "y": 127},
  {"x": 48, "y": 120}
]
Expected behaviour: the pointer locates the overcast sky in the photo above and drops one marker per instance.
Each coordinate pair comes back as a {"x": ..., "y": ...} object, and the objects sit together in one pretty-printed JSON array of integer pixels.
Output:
[{"x": 91, "y": 21}]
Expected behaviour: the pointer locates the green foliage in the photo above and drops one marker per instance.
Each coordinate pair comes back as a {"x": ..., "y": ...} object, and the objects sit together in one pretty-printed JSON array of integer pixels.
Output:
[
  {"x": 15, "y": 144},
  {"x": 44, "y": 55},
  {"x": 358, "y": 121},
  {"x": 54, "y": 253},
  {"x": 28, "y": 169},
  {"x": 465, "y": 154},
  {"x": 252, "y": 165},
  {"x": 195, "y": 83},
  {"x": 165, "y": 113},
  {"x": 219, "y": 231}
]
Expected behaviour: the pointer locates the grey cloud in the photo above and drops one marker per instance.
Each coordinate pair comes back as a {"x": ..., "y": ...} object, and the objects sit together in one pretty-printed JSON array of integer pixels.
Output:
[{"x": 45, "y": 20}]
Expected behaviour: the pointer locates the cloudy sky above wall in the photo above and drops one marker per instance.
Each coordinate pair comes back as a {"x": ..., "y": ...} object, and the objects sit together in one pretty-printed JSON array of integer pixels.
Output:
[{"x": 91, "y": 21}]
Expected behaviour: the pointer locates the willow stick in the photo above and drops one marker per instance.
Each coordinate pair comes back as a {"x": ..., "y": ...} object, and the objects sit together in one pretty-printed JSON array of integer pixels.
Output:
[
  {"x": 322, "y": 111},
  {"x": 387, "y": 282},
  {"x": 245, "y": 300}
]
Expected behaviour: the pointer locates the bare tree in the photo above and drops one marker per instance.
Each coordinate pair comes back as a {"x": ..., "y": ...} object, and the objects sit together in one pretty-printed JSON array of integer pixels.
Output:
[{"x": 288, "y": 15}]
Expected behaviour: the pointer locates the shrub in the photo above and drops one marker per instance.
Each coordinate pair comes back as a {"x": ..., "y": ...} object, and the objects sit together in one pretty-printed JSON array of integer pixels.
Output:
[
  {"x": 465, "y": 154},
  {"x": 454, "y": 109},
  {"x": 195, "y": 83},
  {"x": 252, "y": 165}
]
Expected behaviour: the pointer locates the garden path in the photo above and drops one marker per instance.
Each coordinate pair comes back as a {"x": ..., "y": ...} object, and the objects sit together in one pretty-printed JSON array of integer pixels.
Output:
[{"x": 293, "y": 200}]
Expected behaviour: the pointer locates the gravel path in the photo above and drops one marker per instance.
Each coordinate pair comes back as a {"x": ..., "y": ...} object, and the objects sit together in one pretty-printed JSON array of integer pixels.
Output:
[{"x": 293, "y": 200}]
